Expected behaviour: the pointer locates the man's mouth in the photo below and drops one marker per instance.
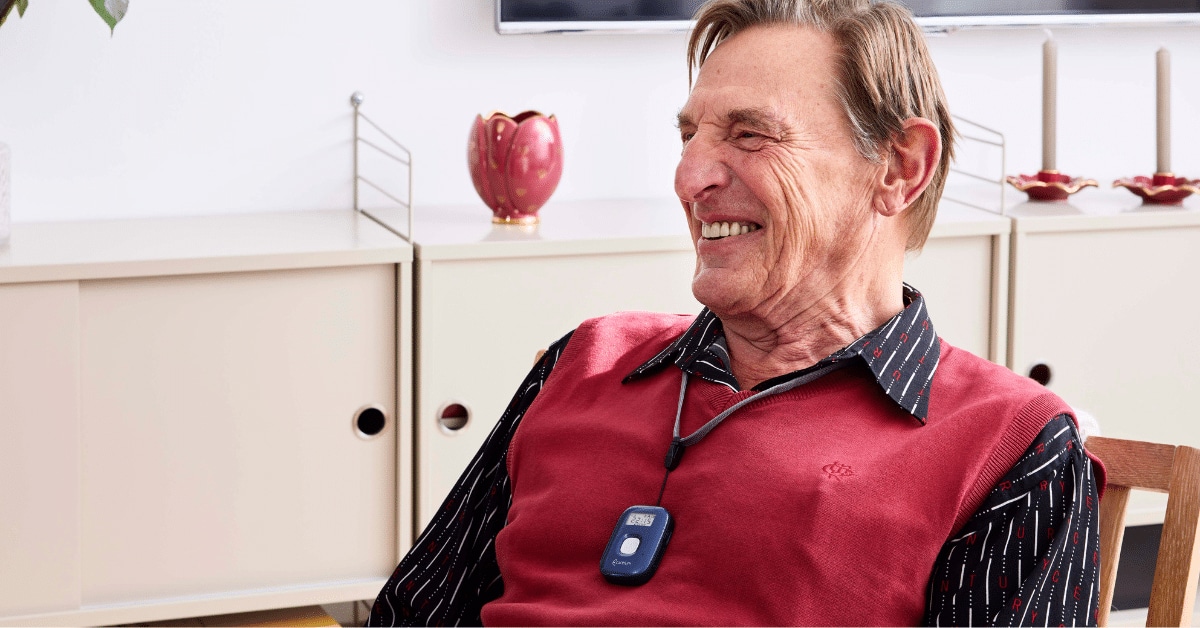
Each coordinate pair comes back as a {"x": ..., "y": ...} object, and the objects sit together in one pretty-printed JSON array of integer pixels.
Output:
[{"x": 718, "y": 230}]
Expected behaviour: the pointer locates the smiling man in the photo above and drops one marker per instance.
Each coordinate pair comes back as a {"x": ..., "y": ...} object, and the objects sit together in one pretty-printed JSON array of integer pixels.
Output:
[{"x": 806, "y": 450}]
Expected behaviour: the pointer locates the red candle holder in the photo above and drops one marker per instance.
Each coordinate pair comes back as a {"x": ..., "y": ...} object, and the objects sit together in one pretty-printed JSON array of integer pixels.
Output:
[
  {"x": 1164, "y": 188},
  {"x": 1050, "y": 185}
]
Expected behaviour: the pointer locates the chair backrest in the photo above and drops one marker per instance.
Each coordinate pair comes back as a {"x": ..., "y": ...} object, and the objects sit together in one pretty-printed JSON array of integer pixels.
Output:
[{"x": 1170, "y": 469}]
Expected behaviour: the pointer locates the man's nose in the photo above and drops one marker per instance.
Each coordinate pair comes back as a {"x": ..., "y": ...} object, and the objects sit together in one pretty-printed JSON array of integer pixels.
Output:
[{"x": 701, "y": 170}]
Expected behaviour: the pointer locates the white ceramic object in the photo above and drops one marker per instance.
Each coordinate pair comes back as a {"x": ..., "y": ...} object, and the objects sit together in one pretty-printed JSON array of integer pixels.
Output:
[{"x": 5, "y": 196}]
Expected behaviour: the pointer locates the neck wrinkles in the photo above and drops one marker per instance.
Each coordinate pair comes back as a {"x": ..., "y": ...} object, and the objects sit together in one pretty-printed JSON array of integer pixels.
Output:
[{"x": 765, "y": 346}]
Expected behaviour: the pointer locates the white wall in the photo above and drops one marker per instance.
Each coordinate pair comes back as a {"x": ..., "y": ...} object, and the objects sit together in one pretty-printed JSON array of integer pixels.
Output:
[{"x": 197, "y": 107}]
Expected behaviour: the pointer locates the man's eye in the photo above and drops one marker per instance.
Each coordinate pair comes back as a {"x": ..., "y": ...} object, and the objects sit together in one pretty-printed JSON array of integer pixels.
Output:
[
  {"x": 747, "y": 135},
  {"x": 687, "y": 136}
]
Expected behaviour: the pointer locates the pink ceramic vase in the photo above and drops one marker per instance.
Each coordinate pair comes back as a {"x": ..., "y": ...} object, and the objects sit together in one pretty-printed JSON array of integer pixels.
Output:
[{"x": 515, "y": 163}]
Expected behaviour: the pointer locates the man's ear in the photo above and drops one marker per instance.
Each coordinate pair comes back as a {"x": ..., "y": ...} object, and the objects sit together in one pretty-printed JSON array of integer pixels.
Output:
[{"x": 911, "y": 159}]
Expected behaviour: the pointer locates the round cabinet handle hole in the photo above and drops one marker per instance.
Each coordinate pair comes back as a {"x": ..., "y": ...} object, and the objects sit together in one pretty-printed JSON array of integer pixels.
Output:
[
  {"x": 454, "y": 416},
  {"x": 370, "y": 422},
  {"x": 1041, "y": 374}
]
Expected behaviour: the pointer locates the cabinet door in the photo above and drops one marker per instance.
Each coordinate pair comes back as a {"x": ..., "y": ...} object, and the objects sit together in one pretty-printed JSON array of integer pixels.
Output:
[
  {"x": 1106, "y": 310},
  {"x": 1110, "y": 313},
  {"x": 219, "y": 450},
  {"x": 481, "y": 322},
  {"x": 963, "y": 280},
  {"x": 39, "y": 448}
]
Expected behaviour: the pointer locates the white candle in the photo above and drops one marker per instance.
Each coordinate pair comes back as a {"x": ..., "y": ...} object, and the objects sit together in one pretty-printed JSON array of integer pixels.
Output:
[
  {"x": 5, "y": 168},
  {"x": 1049, "y": 101},
  {"x": 1164, "y": 111}
]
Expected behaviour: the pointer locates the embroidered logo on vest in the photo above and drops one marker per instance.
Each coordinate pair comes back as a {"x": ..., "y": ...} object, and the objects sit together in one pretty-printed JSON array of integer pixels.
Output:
[{"x": 837, "y": 470}]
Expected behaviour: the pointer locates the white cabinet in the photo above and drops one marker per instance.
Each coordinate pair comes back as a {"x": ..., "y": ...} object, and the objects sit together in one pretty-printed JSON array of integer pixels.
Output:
[
  {"x": 1105, "y": 292},
  {"x": 489, "y": 296},
  {"x": 181, "y": 401}
]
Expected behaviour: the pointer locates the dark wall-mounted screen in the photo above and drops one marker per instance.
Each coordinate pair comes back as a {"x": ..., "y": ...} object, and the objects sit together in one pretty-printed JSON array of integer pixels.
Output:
[
  {"x": 938, "y": 8},
  {"x": 515, "y": 16},
  {"x": 597, "y": 10}
]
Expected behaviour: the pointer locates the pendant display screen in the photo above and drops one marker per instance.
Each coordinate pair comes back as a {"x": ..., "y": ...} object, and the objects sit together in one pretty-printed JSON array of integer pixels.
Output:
[{"x": 640, "y": 519}]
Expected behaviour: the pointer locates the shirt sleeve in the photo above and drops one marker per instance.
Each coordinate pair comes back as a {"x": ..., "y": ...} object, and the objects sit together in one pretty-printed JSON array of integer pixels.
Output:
[
  {"x": 1031, "y": 553},
  {"x": 451, "y": 571}
]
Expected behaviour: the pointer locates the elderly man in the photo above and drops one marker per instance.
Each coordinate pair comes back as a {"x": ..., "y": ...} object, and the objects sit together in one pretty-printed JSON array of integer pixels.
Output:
[{"x": 821, "y": 456}]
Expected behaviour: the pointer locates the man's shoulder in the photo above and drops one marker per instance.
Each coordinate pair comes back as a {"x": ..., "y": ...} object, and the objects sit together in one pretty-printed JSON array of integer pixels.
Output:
[
  {"x": 996, "y": 413},
  {"x": 622, "y": 341},
  {"x": 968, "y": 384},
  {"x": 633, "y": 327},
  {"x": 960, "y": 369}
]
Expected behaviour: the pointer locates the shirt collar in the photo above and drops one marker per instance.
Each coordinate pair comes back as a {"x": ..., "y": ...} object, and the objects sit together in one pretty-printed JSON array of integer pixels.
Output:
[{"x": 902, "y": 355}]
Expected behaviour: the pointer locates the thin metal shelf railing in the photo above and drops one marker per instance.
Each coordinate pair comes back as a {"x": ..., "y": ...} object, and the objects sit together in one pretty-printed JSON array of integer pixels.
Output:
[
  {"x": 404, "y": 158},
  {"x": 978, "y": 135}
]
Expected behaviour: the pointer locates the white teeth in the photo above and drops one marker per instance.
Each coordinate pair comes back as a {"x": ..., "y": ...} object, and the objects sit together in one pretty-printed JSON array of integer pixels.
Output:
[{"x": 725, "y": 229}]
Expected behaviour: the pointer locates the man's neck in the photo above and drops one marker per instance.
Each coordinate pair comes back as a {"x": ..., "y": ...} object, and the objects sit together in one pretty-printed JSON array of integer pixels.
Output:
[{"x": 762, "y": 347}]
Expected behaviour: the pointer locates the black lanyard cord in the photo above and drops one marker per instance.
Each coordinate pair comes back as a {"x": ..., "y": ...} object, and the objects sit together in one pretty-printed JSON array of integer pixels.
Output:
[
  {"x": 675, "y": 453},
  {"x": 678, "y": 445}
]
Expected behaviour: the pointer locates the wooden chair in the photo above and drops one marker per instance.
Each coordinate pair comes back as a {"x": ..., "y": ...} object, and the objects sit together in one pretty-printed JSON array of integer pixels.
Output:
[{"x": 1165, "y": 469}]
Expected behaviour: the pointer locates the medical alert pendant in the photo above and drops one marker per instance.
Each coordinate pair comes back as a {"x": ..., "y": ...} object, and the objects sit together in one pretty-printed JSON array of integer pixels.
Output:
[{"x": 637, "y": 545}]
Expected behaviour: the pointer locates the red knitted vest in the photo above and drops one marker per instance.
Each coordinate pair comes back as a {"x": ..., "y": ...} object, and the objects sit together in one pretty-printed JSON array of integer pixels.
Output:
[{"x": 824, "y": 505}]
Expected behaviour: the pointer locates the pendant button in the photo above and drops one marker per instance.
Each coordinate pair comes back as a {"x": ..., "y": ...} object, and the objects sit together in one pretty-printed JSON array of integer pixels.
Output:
[{"x": 630, "y": 546}]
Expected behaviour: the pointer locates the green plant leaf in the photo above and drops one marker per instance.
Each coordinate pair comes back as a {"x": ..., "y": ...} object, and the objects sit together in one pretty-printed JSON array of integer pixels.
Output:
[
  {"x": 21, "y": 6},
  {"x": 6, "y": 8},
  {"x": 111, "y": 11}
]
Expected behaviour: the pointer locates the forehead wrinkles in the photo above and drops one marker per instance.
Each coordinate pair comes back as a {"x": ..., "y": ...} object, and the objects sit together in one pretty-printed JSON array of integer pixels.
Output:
[
  {"x": 733, "y": 105},
  {"x": 765, "y": 118},
  {"x": 789, "y": 68},
  {"x": 774, "y": 104},
  {"x": 722, "y": 86}
]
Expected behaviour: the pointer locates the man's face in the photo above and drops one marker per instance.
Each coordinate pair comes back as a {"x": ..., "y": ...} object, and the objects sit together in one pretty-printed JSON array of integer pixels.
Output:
[{"x": 768, "y": 148}]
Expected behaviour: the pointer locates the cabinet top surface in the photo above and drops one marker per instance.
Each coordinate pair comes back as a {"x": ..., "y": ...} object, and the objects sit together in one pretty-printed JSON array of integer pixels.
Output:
[
  {"x": 64, "y": 251},
  {"x": 606, "y": 226},
  {"x": 1100, "y": 209}
]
